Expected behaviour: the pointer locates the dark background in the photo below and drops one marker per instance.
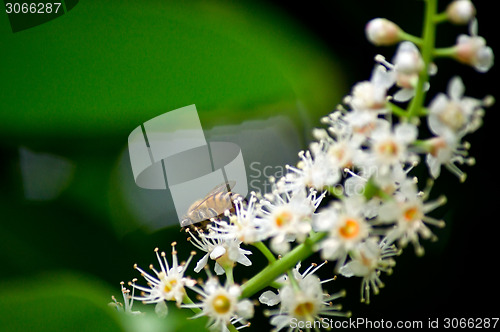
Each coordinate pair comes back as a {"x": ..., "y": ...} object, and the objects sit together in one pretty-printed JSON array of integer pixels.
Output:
[{"x": 60, "y": 255}]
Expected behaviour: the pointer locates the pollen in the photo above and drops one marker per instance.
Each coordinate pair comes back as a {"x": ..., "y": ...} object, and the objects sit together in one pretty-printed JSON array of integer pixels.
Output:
[
  {"x": 283, "y": 219},
  {"x": 388, "y": 148},
  {"x": 221, "y": 304},
  {"x": 304, "y": 309},
  {"x": 411, "y": 214},
  {"x": 350, "y": 229}
]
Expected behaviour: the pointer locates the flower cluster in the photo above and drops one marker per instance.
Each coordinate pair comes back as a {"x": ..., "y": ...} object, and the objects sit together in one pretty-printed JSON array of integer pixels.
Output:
[{"x": 352, "y": 197}]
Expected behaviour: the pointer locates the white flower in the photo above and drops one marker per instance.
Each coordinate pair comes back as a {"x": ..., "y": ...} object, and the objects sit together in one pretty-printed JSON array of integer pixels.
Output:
[
  {"x": 315, "y": 170},
  {"x": 406, "y": 67},
  {"x": 270, "y": 298},
  {"x": 346, "y": 227},
  {"x": 372, "y": 95},
  {"x": 472, "y": 50},
  {"x": 454, "y": 115},
  {"x": 128, "y": 300},
  {"x": 244, "y": 225},
  {"x": 389, "y": 147},
  {"x": 168, "y": 285},
  {"x": 221, "y": 305},
  {"x": 381, "y": 31},
  {"x": 460, "y": 11},
  {"x": 304, "y": 301},
  {"x": 287, "y": 217},
  {"x": 447, "y": 151},
  {"x": 225, "y": 252},
  {"x": 408, "y": 212},
  {"x": 367, "y": 260}
]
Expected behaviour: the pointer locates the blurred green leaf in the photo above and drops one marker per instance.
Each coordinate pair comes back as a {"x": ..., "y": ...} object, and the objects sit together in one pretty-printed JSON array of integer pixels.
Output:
[
  {"x": 104, "y": 68},
  {"x": 63, "y": 301}
]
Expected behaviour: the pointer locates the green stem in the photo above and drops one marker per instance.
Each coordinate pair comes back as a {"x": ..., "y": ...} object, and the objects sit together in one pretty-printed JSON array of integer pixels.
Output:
[
  {"x": 406, "y": 36},
  {"x": 277, "y": 268},
  {"x": 445, "y": 52},
  {"x": 441, "y": 17},
  {"x": 231, "y": 327},
  {"x": 229, "y": 274},
  {"x": 428, "y": 37},
  {"x": 265, "y": 251},
  {"x": 187, "y": 300},
  {"x": 395, "y": 109}
]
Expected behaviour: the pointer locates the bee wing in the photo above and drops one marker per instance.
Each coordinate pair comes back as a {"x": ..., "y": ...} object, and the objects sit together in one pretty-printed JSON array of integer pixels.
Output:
[{"x": 221, "y": 188}]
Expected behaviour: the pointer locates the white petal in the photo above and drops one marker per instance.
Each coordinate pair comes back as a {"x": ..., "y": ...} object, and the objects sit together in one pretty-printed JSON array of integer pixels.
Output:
[
  {"x": 245, "y": 309},
  {"x": 346, "y": 270},
  {"x": 201, "y": 263},
  {"x": 269, "y": 298},
  {"x": 456, "y": 88},
  {"x": 406, "y": 132},
  {"x": 244, "y": 260},
  {"x": 219, "y": 269},
  {"x": 404, "y": 95},
  {"x": 217, "y": 252},
  {"x": 161, "y": 309}
]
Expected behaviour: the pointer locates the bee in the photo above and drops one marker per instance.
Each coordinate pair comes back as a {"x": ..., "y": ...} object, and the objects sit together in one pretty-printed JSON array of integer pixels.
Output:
[{"x": 215, "y": 203}]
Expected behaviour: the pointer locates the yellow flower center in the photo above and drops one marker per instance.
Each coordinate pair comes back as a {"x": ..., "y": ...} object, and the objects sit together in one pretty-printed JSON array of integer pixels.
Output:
[
  {"x": 452, "y": 116},
  {"x": 388, "y": 148},
  {"x": 350, "y": 229},
  {"x": 221, "y": 304},
  {"x": 169, "y": 285},
  {"x": 411, "y": 214},
  {"x": 304, "y": 309},
  {"x": 283, "y": 218}
]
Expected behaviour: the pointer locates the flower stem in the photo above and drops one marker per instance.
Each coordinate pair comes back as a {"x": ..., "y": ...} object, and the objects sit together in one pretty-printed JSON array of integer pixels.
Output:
[
  {"x": 445, "y": 52},
  {"x": 265, "y": 251},
  {"x": 229, "y": 274},
  {"x": 409, "y": 37},
  {"x": 428, "y": 41},
  {"x": 277, "y": 268},
  {"x": 187, "y": 300}
]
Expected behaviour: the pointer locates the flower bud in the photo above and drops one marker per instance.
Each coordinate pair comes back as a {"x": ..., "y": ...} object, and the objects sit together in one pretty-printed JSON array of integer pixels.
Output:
[
  {"x": 460, "y": 11},
  {"x": 381, "y": 31},
  {"x": 472, "y": 50}
]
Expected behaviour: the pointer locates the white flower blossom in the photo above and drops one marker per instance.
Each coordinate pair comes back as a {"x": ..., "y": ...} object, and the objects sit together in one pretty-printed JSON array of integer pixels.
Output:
[
  {"x": 408, "y": 212},
  {"x": 224, "y": 251},
  {"x": 368, "y": 259},
  {"x": 453, "y": 114},
  {"x": 472, "y": 50},
  {"x": 315, "y": 170},
  {"x": 346, "y": 227},
  {"x": 168, "y": 285},
  {"x": 221, "y": 304},
  {"x": 287, "y": 217},
  {"x": 389, "y": 147},
  {"x": 406, "y": 67},
  {"x": 372, "y": 95},
  {"x": 243, "y": 225},
  {"x": 128, "y": 300},
  {"x": 304, "y": 301}
]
